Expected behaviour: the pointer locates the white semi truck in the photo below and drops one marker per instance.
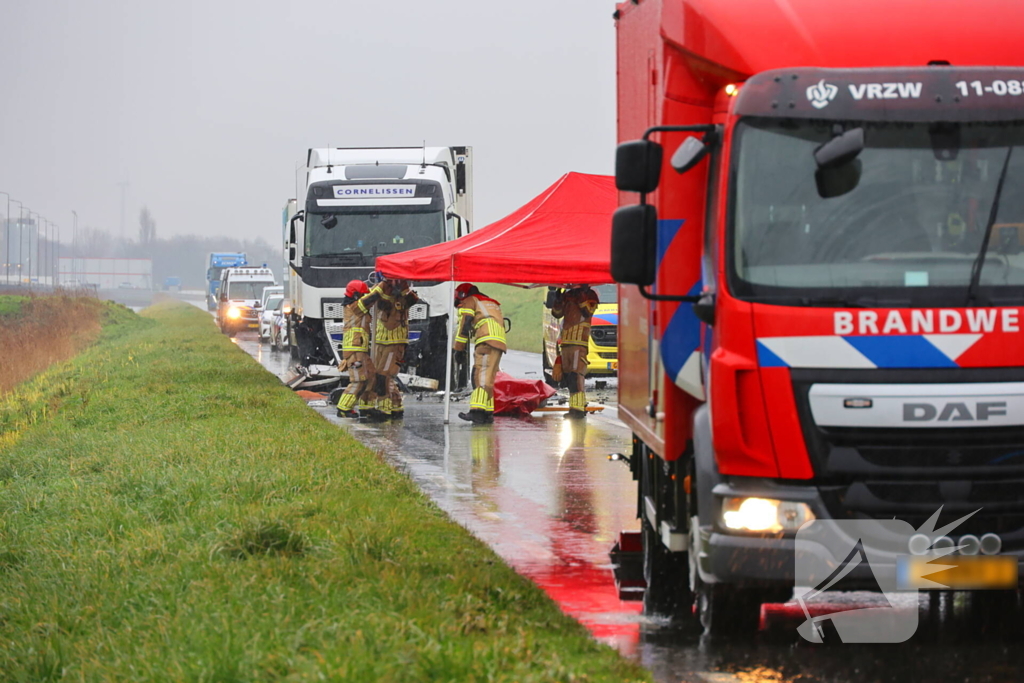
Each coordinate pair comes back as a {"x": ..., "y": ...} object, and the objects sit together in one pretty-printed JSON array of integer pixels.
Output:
[{"x": 357, "y": 204}]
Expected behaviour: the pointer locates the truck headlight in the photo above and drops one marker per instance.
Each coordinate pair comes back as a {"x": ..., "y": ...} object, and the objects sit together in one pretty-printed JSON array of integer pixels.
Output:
[
  {"x": 286, "y": 309},
  {"x": 234, "y": 313},
  {"x": 764, "y": 514}
]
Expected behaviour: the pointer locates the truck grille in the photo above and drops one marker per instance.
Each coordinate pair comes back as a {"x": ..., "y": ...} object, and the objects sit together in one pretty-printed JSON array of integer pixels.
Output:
[
  {"x": 419, "y": 312},
  {"x": 332, "y": 308},
  {"x": 605, "y": 335},
  {"x": 909, "y": 473}
]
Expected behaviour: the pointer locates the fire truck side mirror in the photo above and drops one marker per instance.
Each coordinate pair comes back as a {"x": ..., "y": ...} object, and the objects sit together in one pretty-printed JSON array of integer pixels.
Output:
[
  {"x": 638, "y": 166},
  {"x": 634, "y": 244}
]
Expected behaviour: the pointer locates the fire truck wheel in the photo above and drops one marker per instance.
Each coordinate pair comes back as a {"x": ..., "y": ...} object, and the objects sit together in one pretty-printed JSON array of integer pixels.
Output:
[
  {"x": 723, "y": 610},
  {"x": 668, "y": 591}
]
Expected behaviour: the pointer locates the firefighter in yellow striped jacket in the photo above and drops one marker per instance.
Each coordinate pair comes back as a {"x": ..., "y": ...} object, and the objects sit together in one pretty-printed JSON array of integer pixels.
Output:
[
  {"x": 575, "y": 307},
  {"x": 390, "y": 341},
  {"x": 355, "y": 350},
  {"x": 480, "y": 316}
]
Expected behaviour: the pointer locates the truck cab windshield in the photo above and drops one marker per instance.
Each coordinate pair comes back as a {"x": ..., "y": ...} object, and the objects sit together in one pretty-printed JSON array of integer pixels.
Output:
[
  {"x": 909, "y": 231},
  {"x": 367, "y": 235}
]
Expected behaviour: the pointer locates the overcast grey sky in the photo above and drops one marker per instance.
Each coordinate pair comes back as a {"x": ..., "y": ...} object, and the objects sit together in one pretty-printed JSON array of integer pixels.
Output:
[{"x": 205, "y": 106}]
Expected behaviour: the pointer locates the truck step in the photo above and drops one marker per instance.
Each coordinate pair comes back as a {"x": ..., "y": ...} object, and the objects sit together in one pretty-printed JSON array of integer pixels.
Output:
[{"x": 627, "y": 556}]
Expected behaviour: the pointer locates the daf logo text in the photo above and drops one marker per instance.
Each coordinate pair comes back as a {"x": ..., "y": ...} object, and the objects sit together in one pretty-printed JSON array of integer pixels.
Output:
[{"x": 953, "y": 412}]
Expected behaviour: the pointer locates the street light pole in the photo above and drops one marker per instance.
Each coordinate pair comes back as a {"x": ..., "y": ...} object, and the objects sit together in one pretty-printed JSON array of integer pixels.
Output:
[
  {"x": 20, "y": 209},
  {"x": 7, "y": 239},
  {"x": 21, "y": 251},
  {"x": 56, "y": 265},
  {"x": 74, "y": 246}
]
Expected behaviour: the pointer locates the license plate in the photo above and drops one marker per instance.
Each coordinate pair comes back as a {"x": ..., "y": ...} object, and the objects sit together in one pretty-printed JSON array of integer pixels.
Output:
[
  {"x": 961, "y": 572},
  {"x": 254, "y": 325}
]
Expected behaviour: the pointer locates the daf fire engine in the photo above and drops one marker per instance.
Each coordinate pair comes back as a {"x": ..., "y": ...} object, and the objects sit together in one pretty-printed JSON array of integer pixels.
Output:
[{"x": 821, "y": 251}]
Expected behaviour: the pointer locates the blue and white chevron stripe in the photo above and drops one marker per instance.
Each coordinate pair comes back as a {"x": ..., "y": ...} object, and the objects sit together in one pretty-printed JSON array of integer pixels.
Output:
[{"x": 855, "y": 351}]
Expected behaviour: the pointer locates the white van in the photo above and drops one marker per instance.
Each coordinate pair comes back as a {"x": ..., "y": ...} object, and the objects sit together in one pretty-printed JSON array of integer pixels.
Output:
[{"x": 240, "y": 297}]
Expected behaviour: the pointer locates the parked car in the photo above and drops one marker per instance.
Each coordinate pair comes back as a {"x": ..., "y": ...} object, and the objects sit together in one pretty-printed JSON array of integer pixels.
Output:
[
  {"x": 279, "y": 329},
  {"x": 271, "y": 307}
]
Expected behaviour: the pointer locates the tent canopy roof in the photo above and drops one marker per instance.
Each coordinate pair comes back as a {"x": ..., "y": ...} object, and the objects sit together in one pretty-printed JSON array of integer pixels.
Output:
[{"x": 561, "y": 236}]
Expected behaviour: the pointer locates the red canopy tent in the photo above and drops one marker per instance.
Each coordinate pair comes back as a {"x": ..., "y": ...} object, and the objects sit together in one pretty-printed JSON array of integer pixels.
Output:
[{"x": 561, "y": 236}]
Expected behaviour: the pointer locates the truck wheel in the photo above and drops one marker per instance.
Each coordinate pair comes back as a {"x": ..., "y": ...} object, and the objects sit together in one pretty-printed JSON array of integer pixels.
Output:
[
  {"x": 728, "y": 611},
  {"x": 668, "y": 590},
  {"x": 723, "y": 610}
]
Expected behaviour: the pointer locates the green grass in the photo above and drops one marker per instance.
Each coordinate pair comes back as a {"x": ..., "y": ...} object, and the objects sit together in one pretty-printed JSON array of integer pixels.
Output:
[
  {"x": 9, "y": 305},
  {"x": 524, "y": 307},
  {"x": 170, "y": 511}
]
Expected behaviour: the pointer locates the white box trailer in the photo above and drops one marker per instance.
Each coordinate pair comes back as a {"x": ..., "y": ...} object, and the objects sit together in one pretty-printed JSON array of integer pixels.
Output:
[
  {"x": 360, "y": 203},
  {"x": 105, "y": 273}
]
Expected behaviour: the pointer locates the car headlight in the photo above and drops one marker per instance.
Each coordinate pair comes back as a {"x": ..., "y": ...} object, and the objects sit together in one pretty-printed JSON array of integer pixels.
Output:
[
  {"x": 234, "y": 313},
  {"x": 764, "y": 514}
]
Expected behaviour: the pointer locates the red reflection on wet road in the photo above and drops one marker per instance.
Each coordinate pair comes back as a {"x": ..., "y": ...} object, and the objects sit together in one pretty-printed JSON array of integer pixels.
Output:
[{"x": 560, "y": 539}]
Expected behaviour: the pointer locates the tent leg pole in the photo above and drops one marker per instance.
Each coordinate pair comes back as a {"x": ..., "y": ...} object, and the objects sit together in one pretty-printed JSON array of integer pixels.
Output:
[{"x": 448, "y": 360}]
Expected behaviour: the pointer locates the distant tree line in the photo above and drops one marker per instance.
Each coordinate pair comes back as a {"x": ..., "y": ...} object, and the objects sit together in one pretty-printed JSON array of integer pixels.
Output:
[{"x": 183, "y": 256}]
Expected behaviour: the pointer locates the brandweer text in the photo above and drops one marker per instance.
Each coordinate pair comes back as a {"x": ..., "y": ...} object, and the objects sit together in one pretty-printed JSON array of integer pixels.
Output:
[{"x": 946, "y": 321}]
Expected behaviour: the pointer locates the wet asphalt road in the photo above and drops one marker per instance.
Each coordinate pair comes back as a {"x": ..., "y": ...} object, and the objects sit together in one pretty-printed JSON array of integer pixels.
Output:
[{"x": 541, "y": 492}]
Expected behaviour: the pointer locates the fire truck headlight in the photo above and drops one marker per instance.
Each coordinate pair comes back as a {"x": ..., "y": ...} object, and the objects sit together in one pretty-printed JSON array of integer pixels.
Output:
[
  {"x": 764, "y": 514},
  {"x": 234, "y": 313}
]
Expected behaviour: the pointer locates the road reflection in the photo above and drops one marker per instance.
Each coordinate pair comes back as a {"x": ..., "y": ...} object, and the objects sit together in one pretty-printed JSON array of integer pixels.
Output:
[{"x": 541, "y": 492}]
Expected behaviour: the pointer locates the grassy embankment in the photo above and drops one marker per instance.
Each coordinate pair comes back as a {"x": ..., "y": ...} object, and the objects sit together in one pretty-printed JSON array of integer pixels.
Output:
[
  {"x": 38, "y": 331},
  {"x": 170, "y": 511},
  {"x": 524, "y": 307}
]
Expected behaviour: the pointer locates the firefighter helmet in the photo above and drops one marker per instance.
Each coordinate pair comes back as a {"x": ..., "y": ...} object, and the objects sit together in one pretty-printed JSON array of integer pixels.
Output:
[{"x": 356, "y": 286}]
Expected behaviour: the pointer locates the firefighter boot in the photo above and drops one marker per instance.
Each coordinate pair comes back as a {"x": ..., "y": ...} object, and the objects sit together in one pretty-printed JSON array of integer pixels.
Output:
[{"x": 480, "y": 417}]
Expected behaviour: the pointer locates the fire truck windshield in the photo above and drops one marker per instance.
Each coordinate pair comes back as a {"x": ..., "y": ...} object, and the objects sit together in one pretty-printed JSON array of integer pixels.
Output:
[
  {"x": 907, "y": 234},
  {"x": 372, "y": 234}
]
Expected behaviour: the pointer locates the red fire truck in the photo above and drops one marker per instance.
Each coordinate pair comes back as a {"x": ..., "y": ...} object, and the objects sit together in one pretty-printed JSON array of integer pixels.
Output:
[{"x": 821, "y": 280}]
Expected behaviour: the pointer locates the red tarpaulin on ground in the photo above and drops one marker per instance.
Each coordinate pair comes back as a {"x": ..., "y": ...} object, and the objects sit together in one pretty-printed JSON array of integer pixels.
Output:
[
  {"x": 519, "y": 396},
  {"x": 561, "y": 236}
]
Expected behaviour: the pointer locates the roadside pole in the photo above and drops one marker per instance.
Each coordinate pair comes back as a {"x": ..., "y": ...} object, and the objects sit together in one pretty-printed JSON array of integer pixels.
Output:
[{"x": 451, "y": 340}]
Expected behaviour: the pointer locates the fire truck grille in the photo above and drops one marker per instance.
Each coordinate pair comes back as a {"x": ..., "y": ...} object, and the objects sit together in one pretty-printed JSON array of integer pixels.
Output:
[
  {"x": 908, "y": 474},
  {"x": 419, "y": 312}
]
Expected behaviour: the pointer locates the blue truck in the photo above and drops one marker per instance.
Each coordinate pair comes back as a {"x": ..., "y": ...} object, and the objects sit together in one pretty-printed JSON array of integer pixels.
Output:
[{"x": 218, "y": 261}]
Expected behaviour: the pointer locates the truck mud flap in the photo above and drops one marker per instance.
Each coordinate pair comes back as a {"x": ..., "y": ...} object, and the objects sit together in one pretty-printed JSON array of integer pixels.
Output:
[{"x": 627, "y": 556}]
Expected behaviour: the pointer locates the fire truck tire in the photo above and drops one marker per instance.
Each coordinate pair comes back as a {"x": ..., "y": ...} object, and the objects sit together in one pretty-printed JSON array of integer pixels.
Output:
[
  {"x": 668, "y": 591},
  {"x": 728, "y": 611},
  {"x": 724, "y": 610}
]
